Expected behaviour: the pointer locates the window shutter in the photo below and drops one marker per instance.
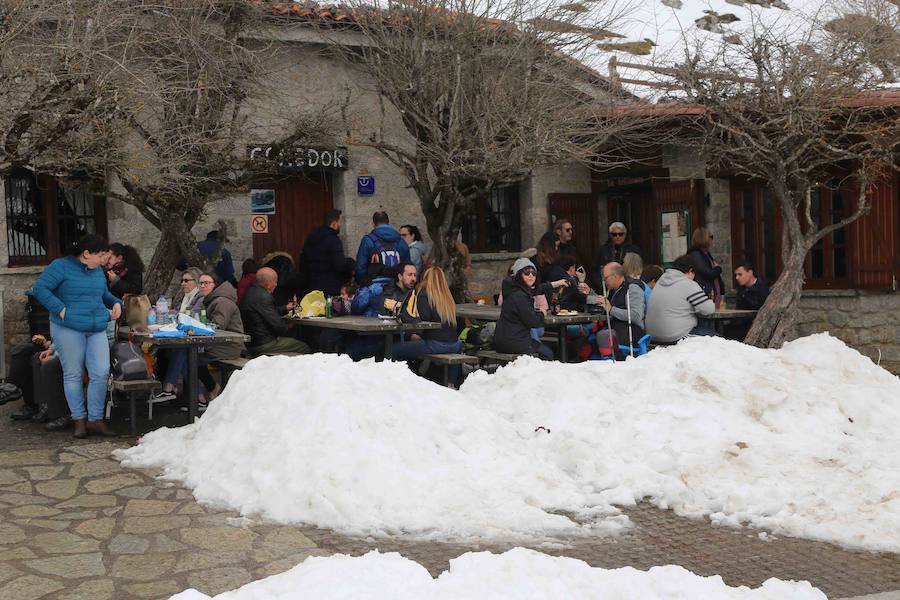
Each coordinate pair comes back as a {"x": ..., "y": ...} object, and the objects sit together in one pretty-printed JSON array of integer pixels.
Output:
[{"x": 875, "y": 239}]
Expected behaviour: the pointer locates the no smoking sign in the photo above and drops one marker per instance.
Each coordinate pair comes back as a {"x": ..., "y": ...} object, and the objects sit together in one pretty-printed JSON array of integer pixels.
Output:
[{"x": 260, "y": 223}]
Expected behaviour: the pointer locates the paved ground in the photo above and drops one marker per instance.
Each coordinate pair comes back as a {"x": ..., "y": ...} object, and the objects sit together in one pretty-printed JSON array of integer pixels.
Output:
[{"x": 75, "y": 524}]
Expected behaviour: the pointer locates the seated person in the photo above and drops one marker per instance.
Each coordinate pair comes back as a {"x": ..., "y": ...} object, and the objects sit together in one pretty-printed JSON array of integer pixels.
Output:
[
  {"x": 571, "y": 297},
  {"x": 432, "y": 302},
  {"x": 625, "y": 303},
  {"x": 752, "y": 291},
  {"x": 36, "y": 370},
  {"x": 517, "y": 314},
  {"x": 266, "y": 327},
  {"x": 650, "y": 275},
  {"x": 675, "y": 304},
  {"x": 384, "y": 296},
  {"x": 20, "y": 375},
  {"x": 190, "y": 303},
  {"x": 220, "y": 302}
]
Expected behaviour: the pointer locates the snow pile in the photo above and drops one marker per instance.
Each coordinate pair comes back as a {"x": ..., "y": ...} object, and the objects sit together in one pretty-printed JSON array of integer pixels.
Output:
[
  {"x": 516, "y": 574},
  {"x": 365, "y": 448},
  {"x": 802, "y": 441}
]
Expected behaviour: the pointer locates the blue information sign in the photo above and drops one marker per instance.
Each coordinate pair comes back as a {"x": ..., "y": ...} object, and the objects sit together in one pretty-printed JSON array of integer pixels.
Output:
[{"x": 365, "y": 185}]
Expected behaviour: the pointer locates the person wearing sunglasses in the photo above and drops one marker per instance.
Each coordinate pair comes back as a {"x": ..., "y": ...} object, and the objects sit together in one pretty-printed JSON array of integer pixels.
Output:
[
  {"x": 614, "y": 250},
  {"x": 517, "y": 314}
]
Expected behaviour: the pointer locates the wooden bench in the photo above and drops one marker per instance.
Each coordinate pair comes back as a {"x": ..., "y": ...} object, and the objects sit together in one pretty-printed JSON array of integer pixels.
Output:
[
  {"x": 132, "y": 389},
  {"x": 227, "y": 366},
  {"x": 496, "y": 357},
  {"x": 446, "y": 360}
]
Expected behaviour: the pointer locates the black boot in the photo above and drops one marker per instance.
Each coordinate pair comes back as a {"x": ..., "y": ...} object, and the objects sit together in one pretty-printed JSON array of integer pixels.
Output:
[
  {"x": 59, "y": 424},
  {"x": 28, "y": 411},
  {"x": 42, "y": 415}
]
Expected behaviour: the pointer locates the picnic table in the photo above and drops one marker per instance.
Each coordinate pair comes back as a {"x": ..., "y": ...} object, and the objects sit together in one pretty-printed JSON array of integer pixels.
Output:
[
  {"x": 724, "y": 315},
  {"x": 489, "y": 312},
  {"x": 191, "y": 343},
  {"x": 387, "y": 326}
]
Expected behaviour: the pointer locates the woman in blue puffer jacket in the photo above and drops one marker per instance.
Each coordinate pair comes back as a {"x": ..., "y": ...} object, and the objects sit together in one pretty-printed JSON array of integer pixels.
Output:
[{"x": 74, "y": 290}]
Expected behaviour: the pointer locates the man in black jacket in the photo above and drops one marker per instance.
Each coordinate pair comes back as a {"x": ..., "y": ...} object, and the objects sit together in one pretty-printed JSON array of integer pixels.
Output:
[
  {"x": 323, "y": 260},
  {"x": 752, "y": 291},
  {"x": 614, "y": 250},
  {"x": 262, "y": 322}
]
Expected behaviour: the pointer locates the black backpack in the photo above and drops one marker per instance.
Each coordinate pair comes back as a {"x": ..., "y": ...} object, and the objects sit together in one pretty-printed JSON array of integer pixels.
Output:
[
  {"x": 126, "y": 362},
  {"x": 385, "y": 258}
]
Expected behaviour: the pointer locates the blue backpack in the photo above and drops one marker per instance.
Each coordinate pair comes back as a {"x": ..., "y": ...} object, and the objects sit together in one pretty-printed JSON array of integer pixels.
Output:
[{"x": 385, "y": 258}]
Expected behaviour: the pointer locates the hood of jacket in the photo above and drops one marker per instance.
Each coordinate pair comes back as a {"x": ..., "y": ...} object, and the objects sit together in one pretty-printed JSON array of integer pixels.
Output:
[
  {"x": 386, "y": 233},
  {"x": 511, "y": 286},
  {"x": 224, "y": 290},
  {"x": 671, "y": 277}
]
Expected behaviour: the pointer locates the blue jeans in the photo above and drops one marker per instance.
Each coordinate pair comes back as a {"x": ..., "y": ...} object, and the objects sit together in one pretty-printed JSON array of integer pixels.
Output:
[
  {"x": 76, "y": 350},
  {"x": 177, "y": 366},
  {"x": 408, "y": 350},
  {"x": 704, "y": 328}
]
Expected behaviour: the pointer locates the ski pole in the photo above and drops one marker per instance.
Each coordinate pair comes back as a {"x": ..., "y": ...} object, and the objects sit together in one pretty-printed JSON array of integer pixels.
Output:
[
  {"x": 628, "y": 308},
  {"x": 608, "y": 321}
]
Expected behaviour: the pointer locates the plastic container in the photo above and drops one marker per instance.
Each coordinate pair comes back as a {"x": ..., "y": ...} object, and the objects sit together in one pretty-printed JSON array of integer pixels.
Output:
[
  {"x": 162, "y": 310},
  {"x": 151, "y": 316}
]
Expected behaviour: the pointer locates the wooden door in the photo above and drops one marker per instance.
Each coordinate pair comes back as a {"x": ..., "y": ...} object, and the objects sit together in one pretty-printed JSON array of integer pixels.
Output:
[
  {"x": 672, "y": 196},
  {"x": 581, "y": 210},
  {"x": 300, "y": 206}
]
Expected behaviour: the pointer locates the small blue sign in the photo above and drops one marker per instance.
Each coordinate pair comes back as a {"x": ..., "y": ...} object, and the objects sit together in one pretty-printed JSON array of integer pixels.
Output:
[{"x": 365, "y": 185}]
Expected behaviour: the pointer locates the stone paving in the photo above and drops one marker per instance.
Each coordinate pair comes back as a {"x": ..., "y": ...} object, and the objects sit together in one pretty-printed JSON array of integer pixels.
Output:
[{"x": 76, "y": 524}]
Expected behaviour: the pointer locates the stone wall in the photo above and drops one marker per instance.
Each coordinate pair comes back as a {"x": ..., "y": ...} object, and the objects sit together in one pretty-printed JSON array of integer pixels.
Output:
[
  {"x": 488, "y": 270},
  {"x": 866, "y": 320},
  {"x": 13, "y": 285}
]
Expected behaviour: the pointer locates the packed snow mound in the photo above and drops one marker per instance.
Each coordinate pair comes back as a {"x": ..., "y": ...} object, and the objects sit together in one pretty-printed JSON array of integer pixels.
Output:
[
  {"x": 365, "y": 448},
  {"x": 800, "y": 440},
  {"x": 515, "y": 574}
]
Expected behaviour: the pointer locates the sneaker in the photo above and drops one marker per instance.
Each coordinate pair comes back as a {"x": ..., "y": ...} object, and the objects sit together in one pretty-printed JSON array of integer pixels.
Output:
[{"x": 162, "y": 396}]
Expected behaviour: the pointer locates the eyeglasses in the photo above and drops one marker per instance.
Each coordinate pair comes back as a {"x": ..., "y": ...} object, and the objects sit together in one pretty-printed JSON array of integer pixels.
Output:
[
  {"x": 207, "y": 282},
  {"x": 529, "y": 271},
  {"x": 186, "y": 280},
  {"x": 617, "y": 234}
]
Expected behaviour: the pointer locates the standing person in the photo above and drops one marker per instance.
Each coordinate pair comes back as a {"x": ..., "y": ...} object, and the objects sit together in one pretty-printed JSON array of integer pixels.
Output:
[
  {"x": 262, "y": 321},
  {"x": 74, "y": 290},
  {"x": 323, "y": 257},
  {"x": 125, "y": 270},
  {"x": 517, "y": 314},
  {"x": 220, "y": 301},
  {"x": 614, "y": 250},
  {"x": 708, "y": 272},
  {"x": 752, "y": 291},
  {"x": 248, "y": 276},
  {"x": 380, "y": 251},
  {"x": 417, "y": 251},
  {"x": 432, "y": 302},
  {"x": 225, "y": 267},
  {"x": 676, "y": 302},
  {"x": 565, "y": 232}
]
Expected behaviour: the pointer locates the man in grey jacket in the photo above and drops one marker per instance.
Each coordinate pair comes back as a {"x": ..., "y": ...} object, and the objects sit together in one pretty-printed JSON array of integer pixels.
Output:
[
  {"x": 676, "y": 302},
  {"x": 625, "y": 294}
]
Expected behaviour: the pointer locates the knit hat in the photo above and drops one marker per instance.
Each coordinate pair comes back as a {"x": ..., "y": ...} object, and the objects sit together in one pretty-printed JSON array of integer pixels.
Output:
[{"x": 521, "y": 263}]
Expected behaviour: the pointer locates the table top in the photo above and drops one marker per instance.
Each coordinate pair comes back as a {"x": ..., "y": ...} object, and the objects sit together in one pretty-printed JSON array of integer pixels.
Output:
[
  {"x": 362, "y": 324},
  {"x": 490, "y": 312},
  {"x": 730, "y": 313},
  {"x": 220, "y": 337}
]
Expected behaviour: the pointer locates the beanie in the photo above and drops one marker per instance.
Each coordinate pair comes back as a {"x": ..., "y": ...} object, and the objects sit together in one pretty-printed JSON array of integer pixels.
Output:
[{"x": 521, "y": 263}]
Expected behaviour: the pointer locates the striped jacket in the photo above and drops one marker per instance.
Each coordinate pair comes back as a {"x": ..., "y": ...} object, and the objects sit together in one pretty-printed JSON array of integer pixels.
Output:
[{"x": 675, "y": 303}]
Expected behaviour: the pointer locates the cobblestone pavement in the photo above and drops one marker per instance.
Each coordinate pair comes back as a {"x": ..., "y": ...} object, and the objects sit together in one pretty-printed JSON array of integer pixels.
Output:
[{"x": 76, "y": 524}]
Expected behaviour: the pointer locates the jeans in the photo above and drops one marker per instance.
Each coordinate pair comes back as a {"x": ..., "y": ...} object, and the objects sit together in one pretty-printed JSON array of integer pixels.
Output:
[
  {"x": 704, "y": 328},
  {"x": 76, "y": 350},
  {"x": 408, "y": 350},
  {"x": 176, "y": 367}
]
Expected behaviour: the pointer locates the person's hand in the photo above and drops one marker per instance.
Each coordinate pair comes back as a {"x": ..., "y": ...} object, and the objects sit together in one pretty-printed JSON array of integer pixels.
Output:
[
  {"x": 543, "y": 311},
  {"x": 560, "y": 283},
  {"x": 581, "y": 275},
  {"x": 46, "y": 355},
  {"x": 110, "y": 275},
  {"x": 291, "y": 306},
  {"x": 584, "y": 288},
  {"x": 62, "y": 314},
  {"x": 116, "y": 312}
]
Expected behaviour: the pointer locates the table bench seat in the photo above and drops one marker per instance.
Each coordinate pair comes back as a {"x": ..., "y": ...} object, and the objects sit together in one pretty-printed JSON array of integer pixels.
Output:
[
  {"x": 498, "y": 357},
  {"x": 133, "y": 388},
  {"x": 448, "y": 359}
]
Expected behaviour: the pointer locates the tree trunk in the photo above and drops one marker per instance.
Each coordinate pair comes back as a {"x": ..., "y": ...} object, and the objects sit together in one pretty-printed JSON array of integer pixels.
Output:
[
  {"x": 775, "y": 323},
  {"x": 447, "y": 256},
  {"x": 158, "y": 277}
]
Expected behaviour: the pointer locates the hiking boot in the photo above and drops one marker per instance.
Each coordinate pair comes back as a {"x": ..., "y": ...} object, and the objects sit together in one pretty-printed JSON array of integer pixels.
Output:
[
  {"x": 27, "y": 412},
  {"x": 42, "y": 415},
  {"x": 59, "y": 424},
  {"x": 100, "y": 428},
  {"x": 80, "y": 429}
]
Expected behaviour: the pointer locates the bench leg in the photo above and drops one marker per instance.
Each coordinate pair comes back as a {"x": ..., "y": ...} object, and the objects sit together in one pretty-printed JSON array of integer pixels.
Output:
[
  {"x": 132, "y": 398},
  {"x": 446, "y": 375}
]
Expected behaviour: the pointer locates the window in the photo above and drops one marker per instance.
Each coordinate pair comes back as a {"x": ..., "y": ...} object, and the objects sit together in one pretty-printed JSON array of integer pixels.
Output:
[
  {"x": 827, "y": 264},
  {"x": 45, "y": 217},
  {"x": 754, "y": 223},
  {"x": 493, "y": 225}
]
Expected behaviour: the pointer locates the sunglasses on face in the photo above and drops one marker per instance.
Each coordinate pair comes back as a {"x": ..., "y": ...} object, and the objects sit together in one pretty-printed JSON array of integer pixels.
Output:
[
  {"x": 568, "y": 230},
  {"x": 529, "y": 271},
  {"x": 617, "y": 234},
  {"x": 186, "y": 280}
]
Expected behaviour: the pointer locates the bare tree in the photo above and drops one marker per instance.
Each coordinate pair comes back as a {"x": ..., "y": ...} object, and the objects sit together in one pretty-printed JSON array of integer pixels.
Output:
[
  {"x": 57, "y": 61},
  {"x": 486, "y": 91},
  {"x": 194, "y": 81},
  {"x": 799, "y": 115}
]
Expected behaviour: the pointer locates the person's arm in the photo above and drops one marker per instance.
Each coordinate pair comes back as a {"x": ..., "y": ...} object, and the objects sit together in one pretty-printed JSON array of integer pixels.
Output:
[
  {"x": 524, "y": 308},
  {"x": 698, "y": 299},
  {"x": 221, "y": 312},
  {"x": 338, "y": 260},
  {"x": 271, "y": 318},
  {"x": 45, "y": 287},
  {"x": 404, "y": 251},
  {"x": 362, "y": 258},
  {"x": 702, "y": 270},
  {"x": 636, "y": 303},
  {"x": 363, "y": 297}
]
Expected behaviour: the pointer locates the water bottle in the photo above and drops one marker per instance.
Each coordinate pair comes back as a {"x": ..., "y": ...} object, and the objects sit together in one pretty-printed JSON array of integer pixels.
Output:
[
  {"x": 162, "y": 309},
  {"x": 203, "y": 317},
  {"x": 151, "y": 316},
  {"x": 329, "y": 309}
]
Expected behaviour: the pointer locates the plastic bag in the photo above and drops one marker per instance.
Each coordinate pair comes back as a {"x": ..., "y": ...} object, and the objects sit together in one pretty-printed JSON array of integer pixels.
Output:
[
  {"x": 313, "y": 304},
  {"x": 192, "y": 326}
]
